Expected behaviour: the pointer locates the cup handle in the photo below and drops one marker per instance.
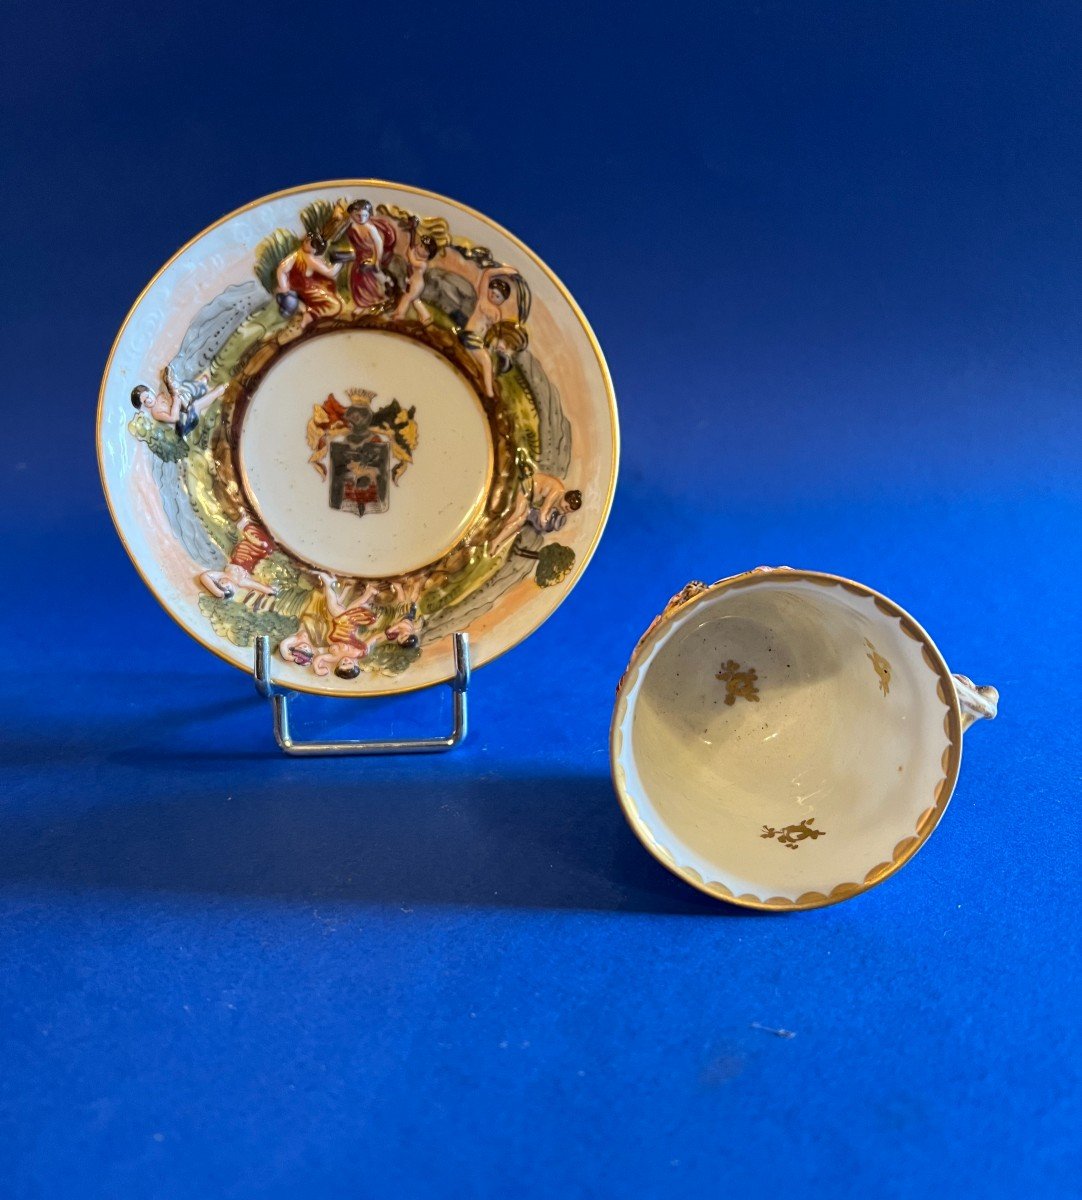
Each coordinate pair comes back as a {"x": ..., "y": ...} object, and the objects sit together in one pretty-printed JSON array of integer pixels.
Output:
[{"x": 975, "y": 702}]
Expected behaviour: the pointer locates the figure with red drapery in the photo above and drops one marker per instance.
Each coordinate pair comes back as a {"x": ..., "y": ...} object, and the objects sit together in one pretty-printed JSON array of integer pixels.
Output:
[
  {"x": 253, "y": 545},
  {"x": 372, "y": 241}
]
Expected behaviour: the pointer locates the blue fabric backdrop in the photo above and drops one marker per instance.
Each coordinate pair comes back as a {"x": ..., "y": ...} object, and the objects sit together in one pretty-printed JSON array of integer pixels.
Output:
[{"x": 833, "y": 254}]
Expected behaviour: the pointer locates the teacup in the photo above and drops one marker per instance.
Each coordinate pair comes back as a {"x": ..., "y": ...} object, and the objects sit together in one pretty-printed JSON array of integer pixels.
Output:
[{"x": 787, "y": 739}]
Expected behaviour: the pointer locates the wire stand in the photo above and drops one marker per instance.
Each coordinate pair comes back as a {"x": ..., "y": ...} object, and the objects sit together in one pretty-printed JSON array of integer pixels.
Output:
[{"x": 459, "y": 685}]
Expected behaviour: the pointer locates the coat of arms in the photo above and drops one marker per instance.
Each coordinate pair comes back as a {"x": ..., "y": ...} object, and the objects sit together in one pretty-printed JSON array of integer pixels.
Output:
[{"x": 361, "y": 450}]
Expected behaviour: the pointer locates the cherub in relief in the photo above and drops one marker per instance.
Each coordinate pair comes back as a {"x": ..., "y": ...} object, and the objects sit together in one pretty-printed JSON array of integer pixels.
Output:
[
  {"x": 348, "y": 639},
  {"x": 543, "y": 503},
  {"x": 177, "y": 403},
  {"x": 551, "y": 503},
  {"x": 494, "y": 328},
  {"x": 420, "y": 251},
  {"x": 405, "y": 628},
  {"x": 300, "y": 649},
  {"x": 253, "y": 546}
]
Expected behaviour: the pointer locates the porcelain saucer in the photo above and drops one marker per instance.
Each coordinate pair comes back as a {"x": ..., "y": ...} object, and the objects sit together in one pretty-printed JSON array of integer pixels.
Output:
[{"x": 357, "y": 417}]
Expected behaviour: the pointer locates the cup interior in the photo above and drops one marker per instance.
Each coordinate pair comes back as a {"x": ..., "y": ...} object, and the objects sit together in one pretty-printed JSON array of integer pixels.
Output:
[{"x": 786, "y": 738}]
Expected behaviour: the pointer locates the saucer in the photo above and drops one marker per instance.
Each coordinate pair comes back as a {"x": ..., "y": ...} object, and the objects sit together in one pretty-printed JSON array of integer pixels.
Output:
[
  {"x": 788, "y": 739},
  {"x": 357, "y": 417}
]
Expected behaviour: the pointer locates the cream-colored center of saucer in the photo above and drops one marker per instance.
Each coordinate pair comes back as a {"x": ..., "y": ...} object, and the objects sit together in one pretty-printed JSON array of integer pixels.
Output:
[{"x": 362, "y": 508}]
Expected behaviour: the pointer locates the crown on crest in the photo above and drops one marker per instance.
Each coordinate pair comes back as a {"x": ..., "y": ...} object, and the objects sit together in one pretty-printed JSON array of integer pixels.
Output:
[{"x": 360, "y": 395}]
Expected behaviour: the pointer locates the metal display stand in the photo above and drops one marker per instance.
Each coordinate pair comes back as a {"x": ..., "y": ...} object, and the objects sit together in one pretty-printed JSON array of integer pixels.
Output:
[{"x": 459, "y": 686}]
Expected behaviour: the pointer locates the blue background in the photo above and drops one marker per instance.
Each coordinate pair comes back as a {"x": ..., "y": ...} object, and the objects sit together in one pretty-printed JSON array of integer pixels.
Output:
[{"x": 833, "y": 254}]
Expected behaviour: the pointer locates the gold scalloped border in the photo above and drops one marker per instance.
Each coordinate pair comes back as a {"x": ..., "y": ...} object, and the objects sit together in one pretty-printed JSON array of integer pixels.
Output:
[{"x": 903, "y": 851}]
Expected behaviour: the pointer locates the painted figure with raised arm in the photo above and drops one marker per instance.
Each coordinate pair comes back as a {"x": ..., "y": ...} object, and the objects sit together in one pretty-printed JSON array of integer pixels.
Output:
[
  {"x": 493, "y": 292},
  {"x": 420, "y": 251},
  {"x": 176, "y": 403}
]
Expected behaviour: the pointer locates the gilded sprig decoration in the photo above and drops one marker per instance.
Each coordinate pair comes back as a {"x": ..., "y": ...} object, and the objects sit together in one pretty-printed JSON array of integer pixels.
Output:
[
  {"x": 792, "y": 835},
  {"x": 737, "y": 682},
  {"x": 881, "y": 666}
]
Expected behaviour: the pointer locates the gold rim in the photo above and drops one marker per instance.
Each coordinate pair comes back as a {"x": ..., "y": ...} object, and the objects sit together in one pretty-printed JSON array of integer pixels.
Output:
[
  {"x": 903, "y": 851},
  {"x": 538, "y": 262}
]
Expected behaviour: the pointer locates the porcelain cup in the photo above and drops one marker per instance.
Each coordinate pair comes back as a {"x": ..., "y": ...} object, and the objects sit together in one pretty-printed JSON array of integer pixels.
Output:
[{"x": 787, "y": 739}]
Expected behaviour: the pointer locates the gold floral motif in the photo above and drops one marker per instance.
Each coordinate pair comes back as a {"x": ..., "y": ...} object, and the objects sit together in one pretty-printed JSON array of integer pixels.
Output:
[
  {"x": 882, "y": 667},
  {"x": 791, "y": 835},
  {"x": 737, "y": 682}
]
